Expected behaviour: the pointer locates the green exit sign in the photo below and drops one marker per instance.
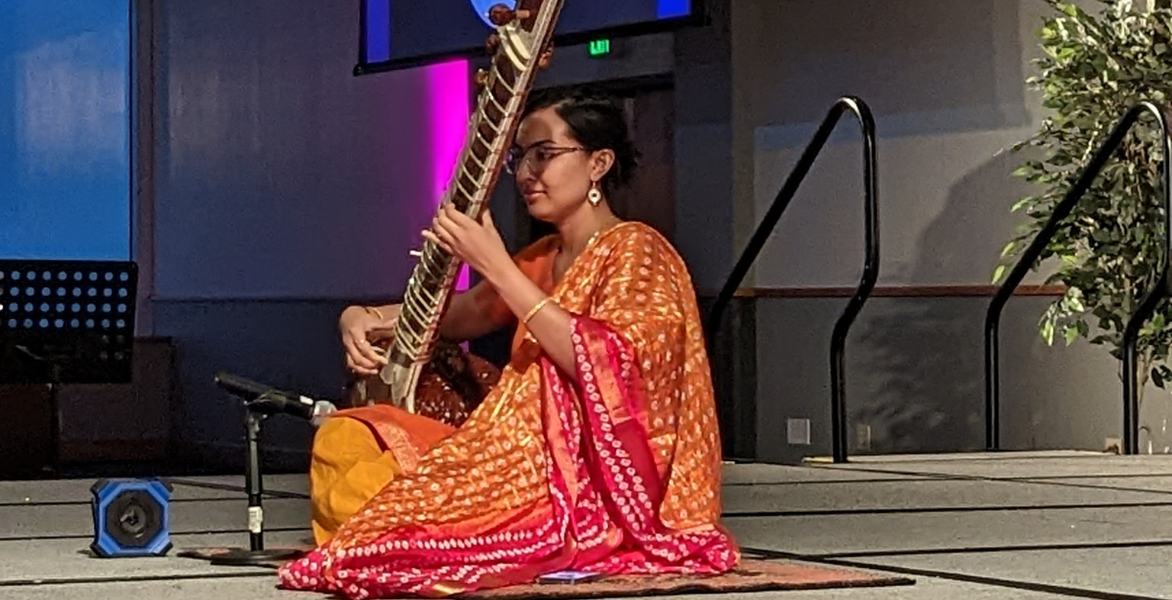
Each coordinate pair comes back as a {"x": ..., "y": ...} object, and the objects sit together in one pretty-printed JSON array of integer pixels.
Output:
[{"x": 597, "y": 48}]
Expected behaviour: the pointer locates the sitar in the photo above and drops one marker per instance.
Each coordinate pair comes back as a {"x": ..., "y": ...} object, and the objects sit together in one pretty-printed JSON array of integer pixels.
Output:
[{"x": 424, "y": 374}]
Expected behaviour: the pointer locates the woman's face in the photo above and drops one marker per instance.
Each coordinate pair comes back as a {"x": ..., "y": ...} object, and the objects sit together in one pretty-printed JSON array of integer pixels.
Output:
[{"x": 553, "y": 171}]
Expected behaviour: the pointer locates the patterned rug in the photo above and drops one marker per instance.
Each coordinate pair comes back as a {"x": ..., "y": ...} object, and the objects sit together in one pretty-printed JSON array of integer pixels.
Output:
[{"x": 751, "y": 576}]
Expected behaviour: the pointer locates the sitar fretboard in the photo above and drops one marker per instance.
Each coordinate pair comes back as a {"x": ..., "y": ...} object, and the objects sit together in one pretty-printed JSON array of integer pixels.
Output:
[{"x": 491, "y": 127}]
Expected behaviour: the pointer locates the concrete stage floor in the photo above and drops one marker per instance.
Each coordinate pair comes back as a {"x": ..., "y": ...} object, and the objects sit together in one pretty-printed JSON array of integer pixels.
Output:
[{"x": 1027, "y": 526}]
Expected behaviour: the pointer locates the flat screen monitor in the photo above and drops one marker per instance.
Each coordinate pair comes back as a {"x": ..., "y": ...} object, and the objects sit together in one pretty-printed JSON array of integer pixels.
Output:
[{"x": 397, "y": 34}]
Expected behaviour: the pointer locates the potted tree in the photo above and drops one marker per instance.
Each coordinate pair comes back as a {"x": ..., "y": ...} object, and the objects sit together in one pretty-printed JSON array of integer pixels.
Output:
[{"x": 1095, "y": 66}]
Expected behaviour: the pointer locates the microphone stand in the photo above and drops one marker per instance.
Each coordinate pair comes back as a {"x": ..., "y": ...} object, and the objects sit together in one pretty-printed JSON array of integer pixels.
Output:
[{"x": 256, "y": 553}]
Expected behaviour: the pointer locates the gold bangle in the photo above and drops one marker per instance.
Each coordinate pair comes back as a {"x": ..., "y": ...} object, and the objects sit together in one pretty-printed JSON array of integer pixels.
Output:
[
  {"x": 536, "y": 307},
  {"x": 374, "y": 311}
]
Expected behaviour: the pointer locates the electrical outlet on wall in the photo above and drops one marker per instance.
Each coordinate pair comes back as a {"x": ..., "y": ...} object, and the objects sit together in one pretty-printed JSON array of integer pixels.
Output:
[{"x": 797, "y": 431}]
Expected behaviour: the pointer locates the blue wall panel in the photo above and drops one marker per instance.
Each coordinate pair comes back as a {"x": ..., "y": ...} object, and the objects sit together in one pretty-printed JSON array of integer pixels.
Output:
[{"x": 65, "y": 129}]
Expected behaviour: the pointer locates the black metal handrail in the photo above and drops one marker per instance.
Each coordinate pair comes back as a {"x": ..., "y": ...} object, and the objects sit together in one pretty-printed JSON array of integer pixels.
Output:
[
  {"x": 1035, "y": 249},
  {"x": 871, "y": 261}
]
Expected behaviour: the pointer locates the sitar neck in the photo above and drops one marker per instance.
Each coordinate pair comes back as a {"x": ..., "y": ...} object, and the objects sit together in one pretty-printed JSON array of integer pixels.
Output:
[{"x": 493, "y": 123}]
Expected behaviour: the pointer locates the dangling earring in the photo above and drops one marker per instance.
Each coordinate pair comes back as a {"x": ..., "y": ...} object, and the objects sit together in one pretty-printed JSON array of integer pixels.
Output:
[{"x": 594, "y": 196}]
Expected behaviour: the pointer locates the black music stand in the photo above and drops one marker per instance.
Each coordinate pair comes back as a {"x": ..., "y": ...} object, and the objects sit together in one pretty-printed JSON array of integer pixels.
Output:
[{"x": 66, "y": 322}]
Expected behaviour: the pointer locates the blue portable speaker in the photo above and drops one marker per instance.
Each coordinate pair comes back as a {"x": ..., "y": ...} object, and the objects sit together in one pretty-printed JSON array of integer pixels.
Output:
[{"x": 131, "y": 517}]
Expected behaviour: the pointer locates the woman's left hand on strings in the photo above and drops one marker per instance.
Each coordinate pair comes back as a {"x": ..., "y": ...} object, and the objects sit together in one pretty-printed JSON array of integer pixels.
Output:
[{"x": 477, "y": 244}]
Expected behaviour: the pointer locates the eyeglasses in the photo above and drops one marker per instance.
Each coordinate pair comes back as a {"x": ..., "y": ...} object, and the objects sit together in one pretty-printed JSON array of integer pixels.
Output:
[{"x": 537, "y": 157}]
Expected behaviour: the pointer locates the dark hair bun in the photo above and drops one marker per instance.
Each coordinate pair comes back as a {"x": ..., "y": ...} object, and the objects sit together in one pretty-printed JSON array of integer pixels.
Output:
[{"x": 599, "y": 122}]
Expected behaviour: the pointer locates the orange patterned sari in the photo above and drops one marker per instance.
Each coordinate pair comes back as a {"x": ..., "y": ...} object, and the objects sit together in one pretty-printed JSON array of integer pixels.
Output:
[{"x": 614, "y": 468}]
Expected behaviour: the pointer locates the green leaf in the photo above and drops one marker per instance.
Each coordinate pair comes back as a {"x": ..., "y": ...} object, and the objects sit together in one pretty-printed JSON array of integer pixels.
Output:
[
  {"x": 997, "y": 273},
  {"x": 1093, "y": 66}
]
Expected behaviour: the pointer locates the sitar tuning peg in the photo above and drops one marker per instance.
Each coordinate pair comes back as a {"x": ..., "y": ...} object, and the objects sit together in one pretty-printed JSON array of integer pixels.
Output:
[{"x": 501, "y": 15}]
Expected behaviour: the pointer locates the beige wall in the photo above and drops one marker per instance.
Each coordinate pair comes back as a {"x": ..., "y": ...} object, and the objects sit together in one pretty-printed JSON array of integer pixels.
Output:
[{"x": 945, "y": 81}]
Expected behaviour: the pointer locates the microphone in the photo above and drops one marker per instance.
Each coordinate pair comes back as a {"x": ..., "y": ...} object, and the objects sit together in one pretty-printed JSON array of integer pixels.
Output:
[{"x": 270, "y": 401}]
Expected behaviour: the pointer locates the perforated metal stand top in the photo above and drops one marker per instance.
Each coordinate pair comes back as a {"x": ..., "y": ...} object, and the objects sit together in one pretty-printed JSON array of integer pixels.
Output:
[{"x": 66, "y": 322}]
